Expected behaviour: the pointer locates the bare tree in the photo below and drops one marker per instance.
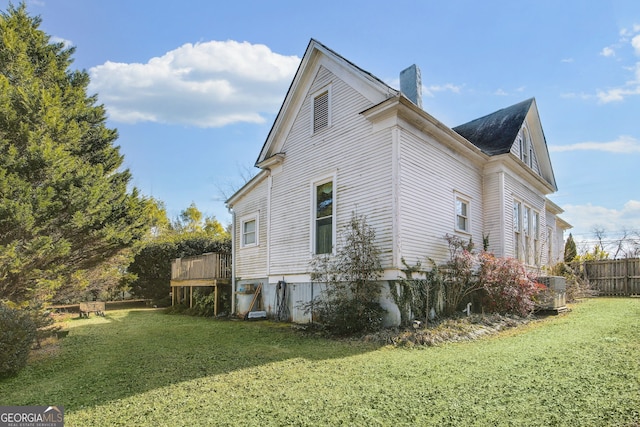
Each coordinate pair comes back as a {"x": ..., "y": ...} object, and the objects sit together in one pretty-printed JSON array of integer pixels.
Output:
[
  {"x": 600, "y": 234},
  {"x": 228, "y": 188}
]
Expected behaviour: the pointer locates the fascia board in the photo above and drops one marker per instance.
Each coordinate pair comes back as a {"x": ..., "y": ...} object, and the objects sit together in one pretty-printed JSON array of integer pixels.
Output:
[
  {"x": 509, "y": 163},
  {"x": 402, "y": 109},
  {"x": 250, "y": 185}
]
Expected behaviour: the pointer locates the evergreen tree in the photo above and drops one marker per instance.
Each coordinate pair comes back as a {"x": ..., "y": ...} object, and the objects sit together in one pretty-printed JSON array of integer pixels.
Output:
[
  {"x": 570, "y": 250},
  {"x": 64, "y": 203}
]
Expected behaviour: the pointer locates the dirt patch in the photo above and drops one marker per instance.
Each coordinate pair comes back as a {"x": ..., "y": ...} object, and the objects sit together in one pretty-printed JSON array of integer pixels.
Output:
[{"x": 49, "y": 347}]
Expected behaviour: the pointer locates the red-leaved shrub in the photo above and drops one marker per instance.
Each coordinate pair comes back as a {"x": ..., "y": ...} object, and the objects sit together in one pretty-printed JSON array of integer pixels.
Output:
[{"x": 507, "y": 285}]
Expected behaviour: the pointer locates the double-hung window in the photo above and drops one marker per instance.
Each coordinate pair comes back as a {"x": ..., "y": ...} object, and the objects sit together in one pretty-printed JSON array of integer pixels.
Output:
[
  {"x": 462, "y": 215},
  {"x": 249, "y": 231},
  {"x": 550, "y": 247},
  {"x": 517, "y": 229},
  {"x": 535, "y": 231},
  {"x": 526, "y": 223},
  {"x": 324, "y": 217}
]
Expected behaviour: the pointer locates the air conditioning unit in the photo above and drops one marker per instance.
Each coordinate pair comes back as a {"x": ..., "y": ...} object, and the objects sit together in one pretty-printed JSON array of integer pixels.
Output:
[
  {"x": 555, "y": 298},
  {"x": 556, "y": 283}
]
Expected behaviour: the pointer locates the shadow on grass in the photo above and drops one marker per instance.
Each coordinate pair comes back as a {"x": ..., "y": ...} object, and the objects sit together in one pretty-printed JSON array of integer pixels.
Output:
[{"x": 134, "y": 351}]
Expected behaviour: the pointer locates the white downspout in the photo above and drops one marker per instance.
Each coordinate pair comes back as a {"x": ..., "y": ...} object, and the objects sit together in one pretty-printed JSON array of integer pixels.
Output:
[{"x": 233, "y": 261}]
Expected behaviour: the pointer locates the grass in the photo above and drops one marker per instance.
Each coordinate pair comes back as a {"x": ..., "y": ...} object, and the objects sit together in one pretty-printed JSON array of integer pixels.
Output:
[{"x": 143, "y": 367}]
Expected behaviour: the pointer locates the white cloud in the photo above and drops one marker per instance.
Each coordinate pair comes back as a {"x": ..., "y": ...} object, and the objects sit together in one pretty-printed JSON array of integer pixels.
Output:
[
  {"x": 567, "y": 60},
  {"x": 67, "y": 43},
  {"x": 635, "y": 42},
  {"x": 631, "y": 88},
  {"x": 585, "y": 218},
  {"x": 209, "y": 84},
  {"x": 574, "y": 95},
  {"x": 623, "y": 145},
  {"x": 430, "y": 91},
  {"x": 608, "y": 51},
  {"x": 618, "y": 94},
  {"x": 625, "y": 33}
]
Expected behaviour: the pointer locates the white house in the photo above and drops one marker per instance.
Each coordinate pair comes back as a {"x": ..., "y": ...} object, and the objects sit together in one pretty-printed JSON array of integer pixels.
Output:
[{"x": 344, "y": 142}]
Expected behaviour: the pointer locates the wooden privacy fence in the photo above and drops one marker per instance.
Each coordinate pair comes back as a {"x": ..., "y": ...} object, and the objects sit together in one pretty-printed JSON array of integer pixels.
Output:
[{"x": 613, "y": 277}]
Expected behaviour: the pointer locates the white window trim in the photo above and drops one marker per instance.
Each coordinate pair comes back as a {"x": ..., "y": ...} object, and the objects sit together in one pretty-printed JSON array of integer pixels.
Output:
[
  {"x": 526, "y": 146},
  {"x": 312, "y": 190},
  {"x": 243, "y": 221},
  {"x": 525, "y": 246},
  {"x": 518, "y": 230},
  {"x": 326, "y": 89},
  {"x": 466, "y": 200}
]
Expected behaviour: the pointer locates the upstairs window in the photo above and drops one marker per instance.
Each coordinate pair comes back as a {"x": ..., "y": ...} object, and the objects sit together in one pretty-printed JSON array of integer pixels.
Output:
[
  {"x": 526, "y": 149},
  {"x": 462, "y": 215},
  {"x": 321, "y": 113}
]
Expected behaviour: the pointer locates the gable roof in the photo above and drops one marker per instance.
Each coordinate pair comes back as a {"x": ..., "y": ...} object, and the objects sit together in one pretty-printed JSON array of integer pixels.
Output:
[
  {"x": 316, "y": 54},
  {"x": 495, "y": 133}
]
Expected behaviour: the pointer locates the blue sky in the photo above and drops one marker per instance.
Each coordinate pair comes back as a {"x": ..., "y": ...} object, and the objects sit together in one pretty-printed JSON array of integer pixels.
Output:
[{"x": 193, "y": 86}]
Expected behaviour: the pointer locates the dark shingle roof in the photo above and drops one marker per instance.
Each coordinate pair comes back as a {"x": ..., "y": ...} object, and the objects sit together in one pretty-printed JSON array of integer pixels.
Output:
[{"x": 495, "y": 133}]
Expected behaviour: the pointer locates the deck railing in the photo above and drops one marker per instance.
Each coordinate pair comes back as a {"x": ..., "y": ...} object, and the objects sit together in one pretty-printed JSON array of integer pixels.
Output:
[{"x": 206, "y": 266}]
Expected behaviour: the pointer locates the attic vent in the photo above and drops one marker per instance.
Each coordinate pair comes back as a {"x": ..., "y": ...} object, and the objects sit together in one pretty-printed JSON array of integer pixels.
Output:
[{"x": 321, "y": 111}]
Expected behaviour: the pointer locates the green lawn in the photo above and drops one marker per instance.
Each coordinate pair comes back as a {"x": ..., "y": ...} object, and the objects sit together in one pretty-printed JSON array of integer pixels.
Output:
[{"x": 143, "y": 367}]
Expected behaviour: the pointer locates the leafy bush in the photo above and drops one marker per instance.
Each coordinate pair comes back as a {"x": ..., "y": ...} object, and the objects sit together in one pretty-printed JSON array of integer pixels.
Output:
[
  {"x": 17, "y": 332},
  {"x": 443, "y": 288},
  {"x": 503, "y": 284},
  {"x": 460, "y": 273},
  {"x": 416, "y": 296},
  {"x": 507, "y": 286},
  {"x": 204, "y": 304},
  {"x": 350, "y": 303}
]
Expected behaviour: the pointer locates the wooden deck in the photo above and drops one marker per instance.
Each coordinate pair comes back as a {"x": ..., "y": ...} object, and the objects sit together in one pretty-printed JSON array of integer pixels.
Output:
[{"x": 207, "y": 270}]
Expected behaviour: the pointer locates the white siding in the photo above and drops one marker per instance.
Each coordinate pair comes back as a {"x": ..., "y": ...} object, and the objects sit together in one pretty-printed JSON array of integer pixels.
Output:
[
  {"x": 430, "y": 176},
  {"x": 494, "y": 211},
  {"x": 360, "y": 162},
  {"x": 251, "y": 262},
  {"x": 553, "y": 239}
]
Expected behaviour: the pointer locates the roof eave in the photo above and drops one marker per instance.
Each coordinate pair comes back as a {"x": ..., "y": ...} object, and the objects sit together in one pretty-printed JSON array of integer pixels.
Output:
[
  {"x": 410, "y": 112},
  {"x": 516, "y": 164},
  {"x": 250, "y": 185}
]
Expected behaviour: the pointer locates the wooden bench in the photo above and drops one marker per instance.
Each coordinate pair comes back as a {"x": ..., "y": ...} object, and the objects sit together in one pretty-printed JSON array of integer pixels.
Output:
[{"x": 87, "y": 308}]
